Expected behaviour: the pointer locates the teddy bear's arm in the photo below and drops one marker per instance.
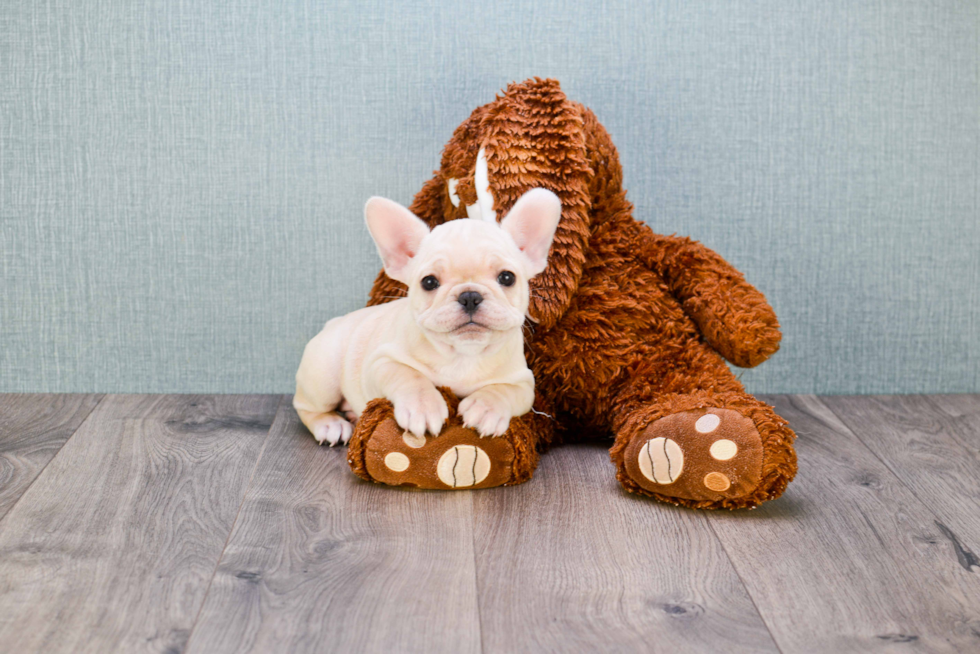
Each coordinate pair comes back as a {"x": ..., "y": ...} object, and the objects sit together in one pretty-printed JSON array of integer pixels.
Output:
[{"x": 733, "y": 316}]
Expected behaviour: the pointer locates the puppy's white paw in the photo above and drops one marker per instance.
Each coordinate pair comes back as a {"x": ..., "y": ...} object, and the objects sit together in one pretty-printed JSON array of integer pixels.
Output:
[
  {"x": 486, "y": 413},
  {"x": 331, "y": 428},
  {"x": 421, "y": 409}
]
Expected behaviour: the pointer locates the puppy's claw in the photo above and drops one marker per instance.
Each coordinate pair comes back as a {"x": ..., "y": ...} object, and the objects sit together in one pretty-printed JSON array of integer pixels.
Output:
[
  {"x": 435, "y": 421},
  {"x": 422, "y": 411},
  {"x": 330, "y": 428},
  {"x": 481, "y": 415}
]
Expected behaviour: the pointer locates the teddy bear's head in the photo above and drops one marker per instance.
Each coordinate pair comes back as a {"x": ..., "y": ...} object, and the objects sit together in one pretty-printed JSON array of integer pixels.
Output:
[{"x": 530, "y": 136}]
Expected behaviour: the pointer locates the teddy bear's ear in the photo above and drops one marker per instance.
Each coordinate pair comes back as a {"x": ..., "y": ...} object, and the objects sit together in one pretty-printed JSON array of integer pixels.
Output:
[
  {"x": 530, "y": 137},
  {"x": 534, "y": 137},
  {"x": 531, "y": 223},
  {"x": 397, "y": 233}
]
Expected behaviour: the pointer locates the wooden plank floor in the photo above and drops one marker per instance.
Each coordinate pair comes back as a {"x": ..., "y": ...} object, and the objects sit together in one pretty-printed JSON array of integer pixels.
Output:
[{"x": 216, "y": 524}]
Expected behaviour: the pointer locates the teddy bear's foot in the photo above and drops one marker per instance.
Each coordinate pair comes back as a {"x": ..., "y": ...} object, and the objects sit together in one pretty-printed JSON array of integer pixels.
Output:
[
  {"x": 457, "y": 458},
  {"x": 713, "y": 454},
  {"x": 708, "y": 457}
]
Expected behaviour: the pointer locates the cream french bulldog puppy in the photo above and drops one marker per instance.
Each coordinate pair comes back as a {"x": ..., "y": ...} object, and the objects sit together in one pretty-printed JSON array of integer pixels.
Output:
[{"x": 460, "y": 326}]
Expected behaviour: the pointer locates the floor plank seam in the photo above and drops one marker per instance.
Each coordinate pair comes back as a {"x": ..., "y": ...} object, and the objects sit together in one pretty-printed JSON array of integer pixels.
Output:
[
  {"x": 745, "y": 586},
  {"x": 231, "y": 530},
  {"x": 476, "y": 571},
  {"x": 45, "y": 467}
]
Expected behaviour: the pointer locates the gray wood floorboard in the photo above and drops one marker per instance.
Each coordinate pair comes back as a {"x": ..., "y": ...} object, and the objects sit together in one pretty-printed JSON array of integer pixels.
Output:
[
  {"x": 33, "y": 427},
  {"x": 113, "y": 545},
  {"x": 322, "y": 561},
  {"x": 163, "y": 525},
  {"x": 849, "y": 559},
  {"x": 569, "y": 562},
  {"x": 962, "y": 418},
  {"x": 917, "y": 440}
]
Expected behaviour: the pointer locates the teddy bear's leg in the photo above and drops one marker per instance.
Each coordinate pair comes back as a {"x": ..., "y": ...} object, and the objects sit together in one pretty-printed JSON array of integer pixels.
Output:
[
  {"x": 382, "y": 452},
  {"x": 697, "y": 439}
]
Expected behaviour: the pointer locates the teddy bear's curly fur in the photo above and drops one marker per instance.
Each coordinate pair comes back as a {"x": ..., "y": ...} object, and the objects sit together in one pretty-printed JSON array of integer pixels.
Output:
[{"x": 628, "y": 329}]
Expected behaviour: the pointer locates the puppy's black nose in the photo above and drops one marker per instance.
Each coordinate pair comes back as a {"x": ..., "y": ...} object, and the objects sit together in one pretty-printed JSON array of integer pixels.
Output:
[{"x": 470, "y": 301}]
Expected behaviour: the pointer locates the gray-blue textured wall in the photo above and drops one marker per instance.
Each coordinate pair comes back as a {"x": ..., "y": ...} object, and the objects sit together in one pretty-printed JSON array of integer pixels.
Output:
[{"x": 181, "y": 182}]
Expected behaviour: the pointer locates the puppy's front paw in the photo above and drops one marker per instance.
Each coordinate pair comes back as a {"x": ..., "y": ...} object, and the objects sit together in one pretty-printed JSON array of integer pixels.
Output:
[
  {"x": 330, "y": 428},
  {"x": 486, "y": 413},
  {"x": 420, "y": 410}
]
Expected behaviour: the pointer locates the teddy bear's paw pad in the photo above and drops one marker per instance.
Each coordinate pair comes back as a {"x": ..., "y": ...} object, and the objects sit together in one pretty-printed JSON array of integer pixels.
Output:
[
  {"x": 708, "y": 454},
  {"x": 463, "y": 466},
  {"x": 457, "y": 458}
]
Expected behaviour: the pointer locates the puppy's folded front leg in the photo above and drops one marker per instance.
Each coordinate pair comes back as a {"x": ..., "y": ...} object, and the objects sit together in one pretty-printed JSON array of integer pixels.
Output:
[
  {"x": 490, "y": 408},
  {"x": 418, "y": 405}
]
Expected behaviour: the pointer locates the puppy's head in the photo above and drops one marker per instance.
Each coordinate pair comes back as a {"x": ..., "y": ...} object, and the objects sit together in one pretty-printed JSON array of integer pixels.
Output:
[{"x": 467, "y": 279}]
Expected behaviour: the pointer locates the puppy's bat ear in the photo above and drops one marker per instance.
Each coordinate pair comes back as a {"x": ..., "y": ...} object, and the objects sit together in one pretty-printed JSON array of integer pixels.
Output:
[
  {"x": 532, "y": 223},
  {"x": 397, "y": 233}
]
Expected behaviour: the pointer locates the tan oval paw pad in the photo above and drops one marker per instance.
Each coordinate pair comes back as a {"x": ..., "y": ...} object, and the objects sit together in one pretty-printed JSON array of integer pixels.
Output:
[
  {"x": 463, "y": 466},
  {"x": 661, "y": 460}
]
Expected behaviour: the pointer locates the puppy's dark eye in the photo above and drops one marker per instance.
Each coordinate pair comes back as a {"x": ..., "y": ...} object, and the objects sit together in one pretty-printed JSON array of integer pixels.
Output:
[
  {"x": 430, "y": 283},
  {"x": 506, "y": 278}
]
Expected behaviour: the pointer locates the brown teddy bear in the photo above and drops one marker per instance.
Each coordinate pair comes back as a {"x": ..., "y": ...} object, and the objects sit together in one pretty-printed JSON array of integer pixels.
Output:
[{"x": 626, "y": 335}]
